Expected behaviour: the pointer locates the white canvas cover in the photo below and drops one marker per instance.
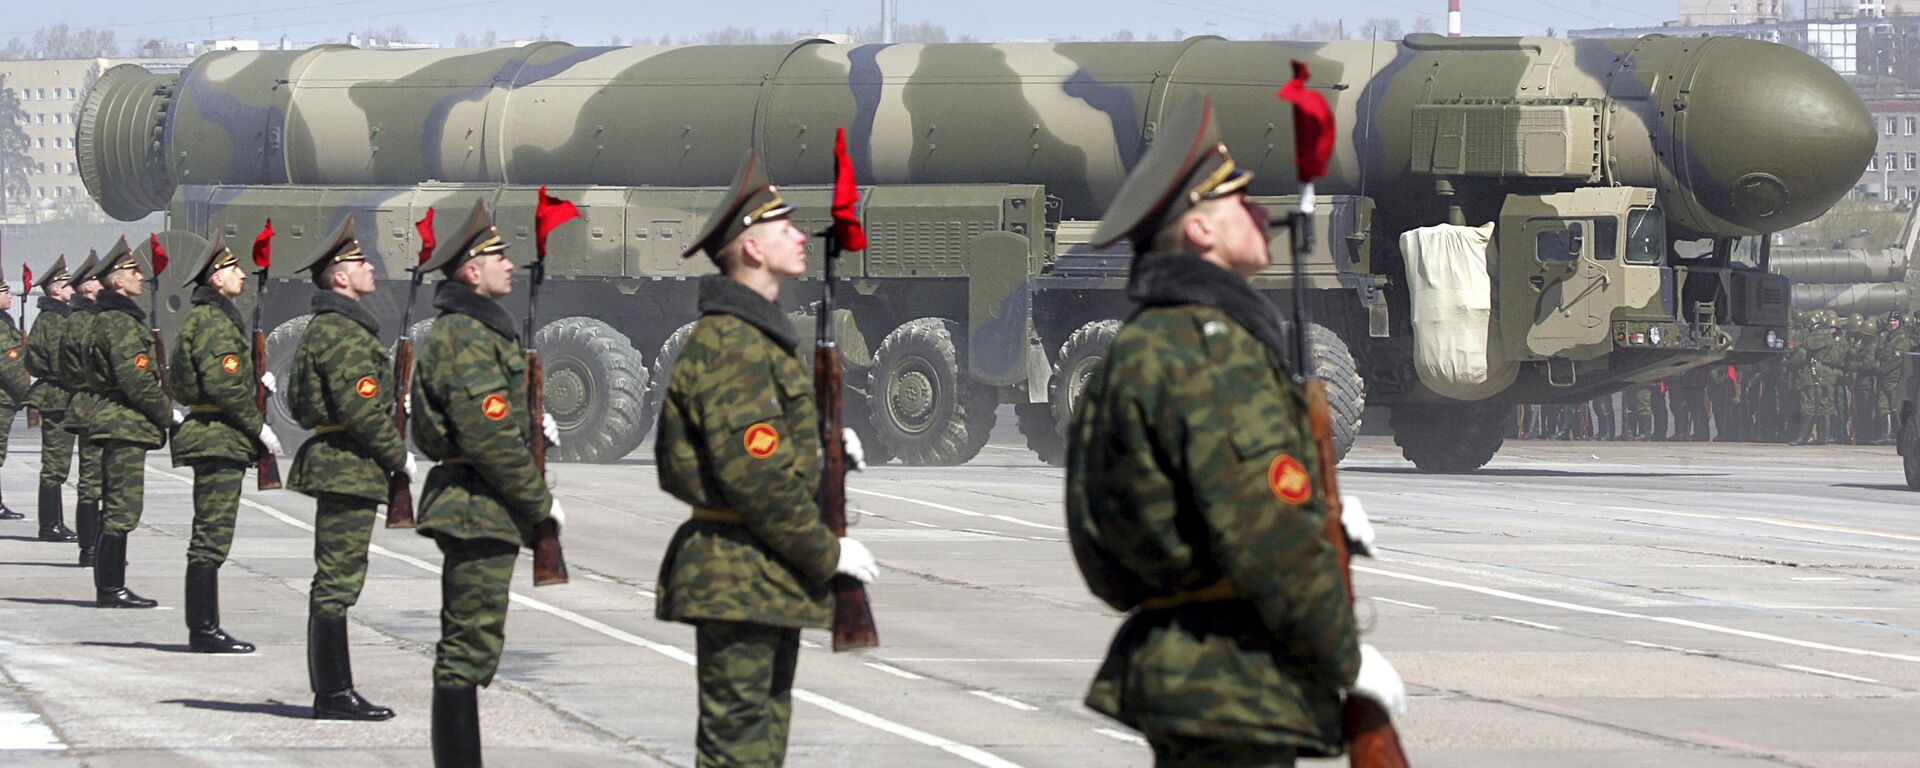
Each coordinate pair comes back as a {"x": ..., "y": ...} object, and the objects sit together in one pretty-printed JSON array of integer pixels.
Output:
[{"x": 1456, "y": 343}]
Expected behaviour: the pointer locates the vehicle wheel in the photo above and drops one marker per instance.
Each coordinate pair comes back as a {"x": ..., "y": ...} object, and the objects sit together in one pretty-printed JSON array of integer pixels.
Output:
[
  {"x": 596, "y": 385},
  {"x": 1080, "y": 355},
  {"x": 1910, "y": 451},
  {"x": 925, "y": 409},
  {"x": 1043, "y": 434},
  {"x": 1346, "y": 391},
  {"x": 281, "y": 344},
  {"x": 1448, "y": 439},
  {"x": 661, "y": 373}
]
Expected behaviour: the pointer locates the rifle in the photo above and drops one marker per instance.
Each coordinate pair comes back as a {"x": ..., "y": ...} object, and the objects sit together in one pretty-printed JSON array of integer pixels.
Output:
[
  {"x": 158, "y": 257},
  {"x": 399, "y": 485},
  {"x": 266, "y": 465},
  {"x": 549, "y": 562},
  {"x": 1372, "y": 741},
  {"x": 26, "y": 292},
  {"x": 853, "y": 626}
]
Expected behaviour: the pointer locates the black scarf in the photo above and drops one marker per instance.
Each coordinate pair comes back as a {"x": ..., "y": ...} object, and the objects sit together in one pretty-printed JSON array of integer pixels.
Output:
[
  {"x": 56, "y": 306},
  {"x": 210, "y": 296},
  {"x": 113, "y": 301},
  {"x": 1168, "y": 279},
  {"x": 720, "y": 295},
  {"x": 458, "y": 297},
  {"x": 328, "y": 301}
]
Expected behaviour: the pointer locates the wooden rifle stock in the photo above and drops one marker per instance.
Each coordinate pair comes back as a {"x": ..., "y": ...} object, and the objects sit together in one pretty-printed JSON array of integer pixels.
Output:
[
  {"x": 549, "y": 563},
  {"x": 1372, "y": 741},
  {"x": 853, "y": 626},
  {"x": 266, "y": 465},
  {"x": 399, "y": 484},
  {"x": 33, "y": 417},
  {"x": 166, "y": 383}
]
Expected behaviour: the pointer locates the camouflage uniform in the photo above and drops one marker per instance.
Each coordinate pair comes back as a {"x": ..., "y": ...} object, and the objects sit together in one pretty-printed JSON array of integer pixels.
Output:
[
  {"x": 49, "y": 394},
  {"x": 14, "y": 385},
  {"x": 1638, "y": 404},
  {"x": 1890, "y": 363},
  {"x": 131, "y": 418},
  {"x": 83, "y": 406}
]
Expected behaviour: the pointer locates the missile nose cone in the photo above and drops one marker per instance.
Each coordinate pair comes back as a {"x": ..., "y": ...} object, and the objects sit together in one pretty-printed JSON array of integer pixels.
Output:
[{"x": 1772, "y": 136}]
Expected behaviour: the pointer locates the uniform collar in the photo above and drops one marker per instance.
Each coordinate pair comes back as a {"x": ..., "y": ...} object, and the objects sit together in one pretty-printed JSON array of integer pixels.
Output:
[
  {"x": 720, "y": 295},
  {"x": 328, "y": 301},
  {"x": 1169, "y": 279},
  {"x": 210, "y": 296},
  {"x": 458, "y": 297},
  {"x": 56, "y": 306},
  {"x": 115, "y": 302}
]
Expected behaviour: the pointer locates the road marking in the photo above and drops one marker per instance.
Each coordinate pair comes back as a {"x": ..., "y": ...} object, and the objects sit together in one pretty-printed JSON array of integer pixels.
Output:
[
  {"x": 966, "y": 752},
  {"x": 1785, "y": 523},
  {"x": 1130, "y": 738},
  {"x": 1828, "y": 673},
  {"x": 957, "y": 510},
  {"x": 24, "y": 731},
  {"x": 948, "y": 660},
  {"x": 1700, "y": 625},
  {"x": 1644, "y": 644},
  {"x": 1736, "y": 745},
  {"x": 1817, "y": 578},
  {"x": 998, "y": 699},
  {"x": 1391, "y": 601},
  {"x": 895, "y": 671},
  {"x": 1525, "y": 623}
]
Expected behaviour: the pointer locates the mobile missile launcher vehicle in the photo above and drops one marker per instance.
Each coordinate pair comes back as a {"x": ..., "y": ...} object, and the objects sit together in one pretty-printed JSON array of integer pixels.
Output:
[{"x": 1598, "y": 164}]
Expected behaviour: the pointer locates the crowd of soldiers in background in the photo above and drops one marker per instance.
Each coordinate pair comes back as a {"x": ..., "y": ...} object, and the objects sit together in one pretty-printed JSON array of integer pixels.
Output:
[{"x": 1840, "y": 382}]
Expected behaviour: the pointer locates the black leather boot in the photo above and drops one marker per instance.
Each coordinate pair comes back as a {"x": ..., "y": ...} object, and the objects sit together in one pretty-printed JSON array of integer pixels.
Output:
[
  {"x": 7, "y": 513},
  {"x": 53, "y": 526},
  {"x": 456, "y": 727},
  {"x": 204, "y": 634},
  {"x": 110, "y": 575},
  {"x": 330, "y": 670},
  {"x": 1802, "y": 431},
  {"x": 87, "y": 518}
]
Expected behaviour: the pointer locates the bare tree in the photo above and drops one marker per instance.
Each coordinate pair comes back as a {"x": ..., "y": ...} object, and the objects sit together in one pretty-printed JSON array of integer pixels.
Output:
[{"x": 14, "y": 162}]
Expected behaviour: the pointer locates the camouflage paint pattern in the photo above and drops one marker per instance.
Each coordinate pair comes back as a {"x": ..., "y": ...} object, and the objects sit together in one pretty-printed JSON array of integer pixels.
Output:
[
  {"x": 212, "y": 367},
  {"x": 475, "y": 578},
  {"x": 739, "y": 432},
  {"x": 343, "y": 376},
  {"x": 216, "y": 508},
  {"x": 342, "y": 532},
  {"x": 48, "y": 392},
  {"x": 122, "y": 367},
  {"x": 1190, "y": 463},
  {"x": 14, "y": 383},
  {"x": 123, "y": 486},
  {"x": 745, "y": 672}
]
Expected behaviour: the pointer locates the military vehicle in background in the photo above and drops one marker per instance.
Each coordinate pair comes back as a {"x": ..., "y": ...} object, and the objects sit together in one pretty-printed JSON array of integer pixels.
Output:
[{"x": 984, "y": 168}]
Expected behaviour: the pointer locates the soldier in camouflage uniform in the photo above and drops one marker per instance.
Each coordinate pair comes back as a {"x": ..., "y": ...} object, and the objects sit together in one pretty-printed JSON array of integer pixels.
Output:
[
  {"x": 84, "y": 403},
  {"x": 131, "y": 419},
  {"x": 342, "y": 389},
  {"x": 1637, "y": 407},
  {"x": 1811, "y": 376},
  {"x": 211, "y": 373},
  {"x": 49, "y": 395},
  {"x": 484, "y": 499},
  {"x": 13, "y": 380},
  {"x": 1890, "y": 367},
  {"x": 1191, "y": 492},
  {"x": 739, "y": 441}
]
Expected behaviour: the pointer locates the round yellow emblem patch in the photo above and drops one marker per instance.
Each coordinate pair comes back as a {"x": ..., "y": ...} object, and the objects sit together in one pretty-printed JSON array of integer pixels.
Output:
[
  {"x": 762, "y": 440},
  {"x": 1289, "y": 480},
  {"x": 494, "y": 407}
]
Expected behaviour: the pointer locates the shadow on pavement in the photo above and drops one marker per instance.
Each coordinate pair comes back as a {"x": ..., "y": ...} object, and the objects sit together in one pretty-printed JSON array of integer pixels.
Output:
[
  {"x": 273, "y": 707},
  {"x": 34, "y": 539},
  {"x": 50, "y": 601},
  {"x": 25, "y": 564},
  {"x": 1901, "y": 487},
  {"x": 142, "y": 646},
  {"x": 1501, "y": 472}
]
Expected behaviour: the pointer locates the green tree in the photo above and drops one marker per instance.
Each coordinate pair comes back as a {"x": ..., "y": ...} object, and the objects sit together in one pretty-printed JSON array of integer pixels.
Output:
[{"x": 14, "y": 162}]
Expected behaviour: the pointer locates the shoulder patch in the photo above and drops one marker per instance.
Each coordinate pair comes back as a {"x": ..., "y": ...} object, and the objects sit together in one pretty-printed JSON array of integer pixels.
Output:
[
  {"x": 141, "y": 362},
  {"x": 494, "y": 407},
  {"x": 368, "y": 386},
  {"x": 762, "y": 440},
  {"x": 1289, "y": 480},
  {"x": 230, "y": 364},
  {"x": 13, "y": 354}
]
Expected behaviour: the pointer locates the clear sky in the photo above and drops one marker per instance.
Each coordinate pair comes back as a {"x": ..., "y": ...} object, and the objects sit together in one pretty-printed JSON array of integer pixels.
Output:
[{"x": 595, "y": 21}]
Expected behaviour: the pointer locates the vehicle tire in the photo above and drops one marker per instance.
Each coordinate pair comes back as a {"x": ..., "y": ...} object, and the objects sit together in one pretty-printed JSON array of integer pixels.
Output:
[
  {"x": 1448, "y": 439},
  {"x": 596, "y": 387},
  {"x": 1910, "y": 450},
  {"x": 1346, "y": 391},
  {"x": 1080, "y": 355},
  {"x": 856, "y": 415},
  {"x": 281, "y": 344},
  {"x": 1044, "y": 434},
  {"x": 925, "y": 409},
  {"x": 661, "y": 374}
]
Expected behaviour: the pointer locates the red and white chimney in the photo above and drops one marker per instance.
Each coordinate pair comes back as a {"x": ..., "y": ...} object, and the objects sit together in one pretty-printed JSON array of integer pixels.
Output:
[{"x": 1453, "y": 18}]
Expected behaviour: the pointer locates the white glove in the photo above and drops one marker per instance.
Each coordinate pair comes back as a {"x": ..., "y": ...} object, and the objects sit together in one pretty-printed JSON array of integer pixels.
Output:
[
  {"x": 1353, "y": 518},
  {"x": 857, "y": 562},
  {"x": 558, "y": 515},
  {"x": 179, "y": 417},
  {"x": 267, "y": 380},
  {"x": 856, "y": 455},
  {"x": 1379, "y": 681},
  {"x": 412, "y": 467},
  {"x": 550, "y": 429},
  {"x": 269, "y": 439}
]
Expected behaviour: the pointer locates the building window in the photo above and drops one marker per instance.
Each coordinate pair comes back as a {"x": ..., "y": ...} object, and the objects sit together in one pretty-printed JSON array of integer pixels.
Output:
[
  {"x": 1913, "y": 125},
  {"x": 1893, "y": 126},
  {"x": 41, "y": 143},
  {"x": 43, "y": 94},
  {"x": 1913, "y": 161},
  {"x": 1893, "y": 161}
]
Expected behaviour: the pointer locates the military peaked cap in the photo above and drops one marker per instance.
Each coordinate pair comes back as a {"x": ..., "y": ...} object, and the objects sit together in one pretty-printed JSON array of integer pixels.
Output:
[
  {"x": 215, "y": 257},
  {"x": 86, "y": 270},
  {"x": 119, "y": 257},
  {"x": 1186, "y": 165},
  {"x": 339, "y": 247},
  {"x": 477, "y": 237},
  {"x": 750, "y": 200},
  {"x": 56, "y": 273}
]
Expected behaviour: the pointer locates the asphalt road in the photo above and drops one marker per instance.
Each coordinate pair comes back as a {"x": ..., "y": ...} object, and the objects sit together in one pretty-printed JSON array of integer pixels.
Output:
[{"x": 1573, "y": 604}]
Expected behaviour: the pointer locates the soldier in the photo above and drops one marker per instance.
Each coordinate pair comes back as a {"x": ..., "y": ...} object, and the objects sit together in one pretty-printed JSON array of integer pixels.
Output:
[
  {"x": 1894, "y": 344},
  {"x": 13, "y": 380},
  {"x": 49, "y": 394},
  {"x": 211, "y": 373},
  {"x": 83, "y": 286},
  {"x": 739, "y": 441},
  {"x": 1191, "y": 499},
  {"x": 1723, "y": 399},
  {"x": 1638, "y": 404},
  {"x": 1606, "y": 426},
  {"x": 1831, "y": 372},
  {"x": 131, "y": 418},
  {"x": 485, "y": 498},
  {"x": 1809, "y": 377},
  {"x": 1659, "y": 406},
  {"x": 342, "y": 389}
]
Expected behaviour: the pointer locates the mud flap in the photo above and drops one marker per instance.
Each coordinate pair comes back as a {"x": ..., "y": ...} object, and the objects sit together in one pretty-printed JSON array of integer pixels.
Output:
[{"x": 999, "y": 307}]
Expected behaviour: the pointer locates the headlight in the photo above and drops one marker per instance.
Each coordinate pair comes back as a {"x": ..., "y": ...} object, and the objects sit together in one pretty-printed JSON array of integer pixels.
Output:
[{"x": 1653, "y": 335}]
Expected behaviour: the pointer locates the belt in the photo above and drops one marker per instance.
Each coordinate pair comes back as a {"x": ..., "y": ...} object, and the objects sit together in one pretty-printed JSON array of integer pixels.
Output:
[
  {"x": 718, "y": 515},
  {"x": 204, "y": 409},
  {"x": 328, "y": 429},
  {"x": 1216, "y": 592},
  {"x": 453, "y": 460}
]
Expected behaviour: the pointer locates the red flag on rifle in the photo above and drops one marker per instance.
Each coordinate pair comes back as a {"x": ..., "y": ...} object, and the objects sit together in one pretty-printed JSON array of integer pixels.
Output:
[
  {"x": 425, "y": 226},
  {"x": 159, "y": 254},
  {"x": 847, "y": 229},
  {"x": 1312, "y": 125},
  {"x": 26, "y": 279},
  {"x": 263, "y": 246},
  {"x": 550, "y": 213}
]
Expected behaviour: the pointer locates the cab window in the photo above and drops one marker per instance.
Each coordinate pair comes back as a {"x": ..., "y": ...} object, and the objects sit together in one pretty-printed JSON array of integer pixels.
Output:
[{"x": 1646, "y": 233}]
